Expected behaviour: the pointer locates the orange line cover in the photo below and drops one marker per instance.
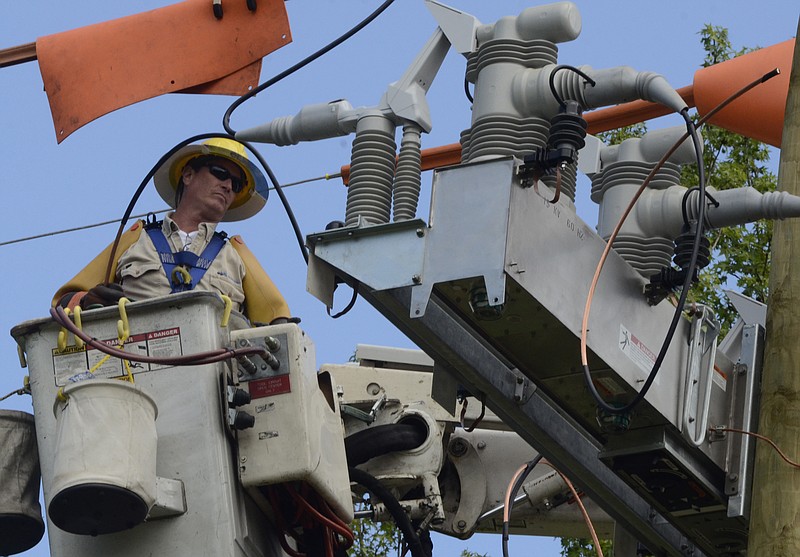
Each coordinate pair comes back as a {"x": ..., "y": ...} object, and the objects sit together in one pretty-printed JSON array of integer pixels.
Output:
[{"x": 94, "y": 70}]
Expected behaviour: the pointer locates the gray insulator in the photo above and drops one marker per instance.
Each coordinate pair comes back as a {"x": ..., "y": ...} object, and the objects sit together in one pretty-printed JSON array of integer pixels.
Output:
[
  {"x": 500, "y": 136},
  {"x": 408, "y": 178},
  {"x": 527, "y": 54},
  {"x": 646, "y": 255},
  {"x": 372, "y": 166},
  {"x": 632, "y": 173}
]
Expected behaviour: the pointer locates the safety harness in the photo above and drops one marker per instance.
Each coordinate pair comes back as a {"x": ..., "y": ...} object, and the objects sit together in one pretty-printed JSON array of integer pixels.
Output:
[{"x": 184, "y": 269}]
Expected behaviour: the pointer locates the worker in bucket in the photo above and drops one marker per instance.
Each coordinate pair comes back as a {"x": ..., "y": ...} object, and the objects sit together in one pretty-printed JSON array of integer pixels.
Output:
[{"x": 205, "y": 183}]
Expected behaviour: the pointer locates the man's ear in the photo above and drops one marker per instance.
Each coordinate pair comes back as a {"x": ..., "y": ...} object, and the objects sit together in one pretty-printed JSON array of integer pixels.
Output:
[{"x": 187, "y": 174}]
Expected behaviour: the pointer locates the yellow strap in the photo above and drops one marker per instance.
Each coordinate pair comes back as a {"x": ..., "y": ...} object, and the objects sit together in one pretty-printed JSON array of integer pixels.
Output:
[
  {"x": 226, "y": 313},
  {"x": 123, "y": 327},
  {"x": 78, "y": 323}
]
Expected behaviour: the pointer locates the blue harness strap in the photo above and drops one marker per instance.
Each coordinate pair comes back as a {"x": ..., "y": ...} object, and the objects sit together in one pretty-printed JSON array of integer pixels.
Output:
[{"x": 184, "y": 269}]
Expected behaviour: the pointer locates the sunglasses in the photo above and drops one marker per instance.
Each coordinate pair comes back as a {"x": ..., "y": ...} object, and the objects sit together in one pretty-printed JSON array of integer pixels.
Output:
[{"x": 222, "y": 173}]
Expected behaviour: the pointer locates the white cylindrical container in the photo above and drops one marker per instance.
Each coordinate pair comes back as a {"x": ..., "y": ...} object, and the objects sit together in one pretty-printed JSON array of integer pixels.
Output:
[
  {"x": 104, "y": 477},
  {"x": 21, "y": 524}
]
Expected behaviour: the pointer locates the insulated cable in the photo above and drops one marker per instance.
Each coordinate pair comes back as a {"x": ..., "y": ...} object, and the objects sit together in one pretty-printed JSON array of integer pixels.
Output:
[
  {"x": 226, "y": 119},
  {"x": 513, "y": 487},
  {"x": 109, "y": 275},
  {"x": 201, "y": 358},
  {"x": 691, "y": 132},
  {"x": 138, "y": 193},
  {"x": 376, "y": 488},
  {"x": 12, "y": 393},
  {"x": 585, "y": 514}
]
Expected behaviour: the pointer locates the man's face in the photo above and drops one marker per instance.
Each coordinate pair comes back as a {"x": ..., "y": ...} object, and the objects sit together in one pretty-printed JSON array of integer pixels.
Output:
[{"x": 206, "y": 191}]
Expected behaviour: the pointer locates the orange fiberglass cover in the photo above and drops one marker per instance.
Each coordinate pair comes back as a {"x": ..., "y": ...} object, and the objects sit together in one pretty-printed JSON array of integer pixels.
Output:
[
  {"x": 759, "y": 113},
  {"x": 94, "y": 70}
]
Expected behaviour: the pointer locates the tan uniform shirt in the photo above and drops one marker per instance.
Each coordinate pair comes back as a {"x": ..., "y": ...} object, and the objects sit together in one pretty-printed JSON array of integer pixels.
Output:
[{"x": 142, "y": 275}]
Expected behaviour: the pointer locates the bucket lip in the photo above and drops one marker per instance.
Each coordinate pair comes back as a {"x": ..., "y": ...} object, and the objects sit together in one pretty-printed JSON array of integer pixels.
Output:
[
  {"x": 16, "y": 416},
  {"x": 112, "y": 383}
]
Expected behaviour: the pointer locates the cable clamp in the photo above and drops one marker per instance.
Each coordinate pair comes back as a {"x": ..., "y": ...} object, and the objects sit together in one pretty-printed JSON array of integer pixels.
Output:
[{"x": 523, "y": 388}]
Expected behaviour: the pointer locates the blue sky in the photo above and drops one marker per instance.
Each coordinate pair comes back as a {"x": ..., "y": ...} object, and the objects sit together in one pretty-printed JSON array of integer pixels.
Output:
[{"x": 90, "y": 177}]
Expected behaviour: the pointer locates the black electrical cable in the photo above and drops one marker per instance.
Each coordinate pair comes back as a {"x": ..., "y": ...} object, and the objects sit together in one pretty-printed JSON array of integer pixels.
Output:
[
  {"x": 285, "y": 202},
  {"x": 691, "y": 131},
  {"x": 349, "y": 305},
  {"x": 226, "y": 119},
  {"x": 557, "y": 69},
  {"x": 467, "y": 91},
  {"x": 685, "y": 199},
  {"x": 690, "y": 270},
  {"x": 382, "y": 439},
  {"x": 374, "y": 486},
  {"x": 512, "y": 495},
  {"x": 137, "y": 194}
]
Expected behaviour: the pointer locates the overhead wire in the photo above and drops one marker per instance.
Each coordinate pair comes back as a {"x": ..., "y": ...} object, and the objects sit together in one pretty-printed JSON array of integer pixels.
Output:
[
  {"x": 691, "y": 132},
  {"x": 226, "y": 119},
  {"x": 143, "y": 215}
]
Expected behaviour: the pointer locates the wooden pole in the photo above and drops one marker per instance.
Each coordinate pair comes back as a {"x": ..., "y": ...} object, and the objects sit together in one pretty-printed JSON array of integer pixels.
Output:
[{"x": 775, "y": 511}]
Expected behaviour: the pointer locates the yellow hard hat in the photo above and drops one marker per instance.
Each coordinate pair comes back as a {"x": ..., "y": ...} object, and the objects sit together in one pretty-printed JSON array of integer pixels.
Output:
[{"x": 247, "y": 202}]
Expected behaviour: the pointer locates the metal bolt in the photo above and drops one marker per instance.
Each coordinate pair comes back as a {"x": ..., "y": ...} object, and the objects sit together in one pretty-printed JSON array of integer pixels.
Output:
[
  {"x": 458, "y": 447},
  {"x": 243, "y": 459},
  {"x": 416, "y": 279},
  {"x": 481, "y": 445},
  {"x": 420, "y": 232},
  {"x": 462, "y": 524},
  {"x": 733, "y": 477}
]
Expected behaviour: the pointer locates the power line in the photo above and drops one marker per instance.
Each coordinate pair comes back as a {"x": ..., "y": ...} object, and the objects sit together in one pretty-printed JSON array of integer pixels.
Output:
[{"x": 105, "y": 223}]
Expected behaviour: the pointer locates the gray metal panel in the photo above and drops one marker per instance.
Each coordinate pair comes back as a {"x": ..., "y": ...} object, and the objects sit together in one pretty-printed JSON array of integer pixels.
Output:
[
  {"x": 536, "y": 419},
  {"x": 468, "y": 227}
]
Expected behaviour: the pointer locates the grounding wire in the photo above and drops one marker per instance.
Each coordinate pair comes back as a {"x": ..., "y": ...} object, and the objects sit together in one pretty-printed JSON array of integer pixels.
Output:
[
  {"x": 691, "y": 132},
  {"x": 226, "y": 119},
  {"x": 511, "y": 493},
  {"x": 677, "y": 314}
]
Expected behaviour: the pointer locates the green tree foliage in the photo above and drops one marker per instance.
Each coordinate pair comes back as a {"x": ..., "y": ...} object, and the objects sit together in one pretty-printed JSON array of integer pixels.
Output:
[
  {"x": 374, "y": 539},
  {"x": 583, "y": 547}
]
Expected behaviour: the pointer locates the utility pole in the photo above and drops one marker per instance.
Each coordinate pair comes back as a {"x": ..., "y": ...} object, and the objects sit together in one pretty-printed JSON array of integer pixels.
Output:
[{"x": 775, "y": 512}]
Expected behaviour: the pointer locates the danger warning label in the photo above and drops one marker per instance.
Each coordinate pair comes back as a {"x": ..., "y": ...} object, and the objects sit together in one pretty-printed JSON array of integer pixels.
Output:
[{"x": 73, "y": 361}]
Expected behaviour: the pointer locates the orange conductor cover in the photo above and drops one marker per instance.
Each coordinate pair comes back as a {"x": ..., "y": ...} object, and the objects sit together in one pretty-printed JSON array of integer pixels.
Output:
[{"x": 94, "y": 70}]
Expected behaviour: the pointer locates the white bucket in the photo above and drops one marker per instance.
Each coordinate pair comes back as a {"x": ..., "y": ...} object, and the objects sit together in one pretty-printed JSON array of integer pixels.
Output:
[
  {"x": 21, "y": 524},
  {"x": 104, "y": 476}
]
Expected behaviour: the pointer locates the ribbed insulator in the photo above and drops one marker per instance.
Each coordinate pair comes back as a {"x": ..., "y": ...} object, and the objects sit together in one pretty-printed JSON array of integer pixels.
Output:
[
  {"x": 684, "y": 245},
  {"x": 372, "y": 166},
  {"x": 567, "y": 129},
  {"x": 408, "y": 178},
  {"x": 503, "y": 136},
  {"x": 529, "y": 54},
  {"x": 647, "y": 255},
  {"x": 631, "y": 172}
]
